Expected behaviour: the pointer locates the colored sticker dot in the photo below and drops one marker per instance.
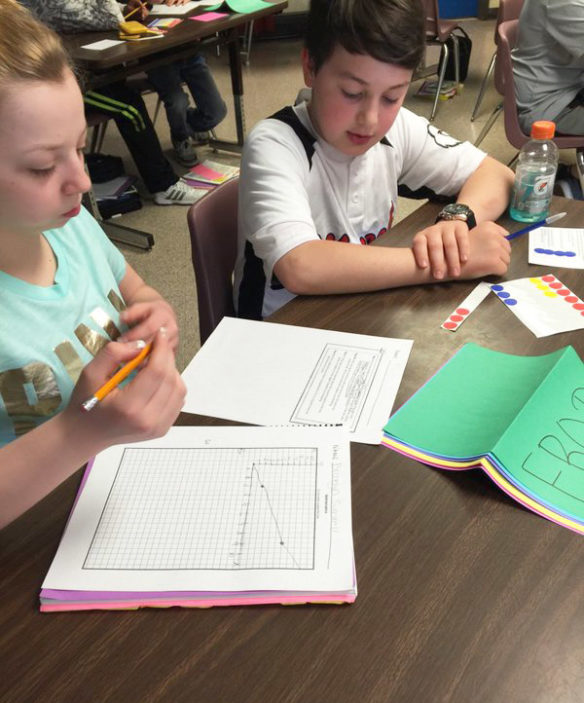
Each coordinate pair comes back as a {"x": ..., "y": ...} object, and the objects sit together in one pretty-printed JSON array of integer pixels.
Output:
[
  {"x": 542, "y": 286},
  {"x": 540, "y": 251},
  {"x": 510, "y": 301},
  {"x": 559, "y": 253},
  {"x": 462, "y": 311},
  {"x": 564, "y": 292},
  {"x": 551, "y": 294},
  {"x": 496, "y": 287},
  {"x": 569, "y": 253},
  {"x": 534, "y": 280},
  {"x": 503, "y": 294},
  {"x": 456, "y": 318},
  {"x": 548, "y": 278},
  {"x": 557, "y": 284},
  {"x": 450, "y": 325},
  {"x": 571, "y": 299},
  {"x": 579, "y": 306}
]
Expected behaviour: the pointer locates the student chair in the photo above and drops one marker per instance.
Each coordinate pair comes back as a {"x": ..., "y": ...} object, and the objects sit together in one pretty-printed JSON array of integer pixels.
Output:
[
  {"x": 513, "y": 131},
  {"x": 438, "y": 32},
  {"x": 508, "y": 10},
  {"x": 97, "y": 122},
  {"x": 213, "y": 229}
]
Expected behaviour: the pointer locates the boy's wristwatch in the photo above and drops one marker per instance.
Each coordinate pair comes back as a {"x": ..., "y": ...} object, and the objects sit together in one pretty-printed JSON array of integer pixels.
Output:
[{"x": 458, "y": 211}]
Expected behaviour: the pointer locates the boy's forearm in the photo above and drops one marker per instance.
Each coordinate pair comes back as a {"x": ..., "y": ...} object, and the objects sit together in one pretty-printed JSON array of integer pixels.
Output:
[
  {"x": 322, "y": 267},
  {"x": 487, "y": 190}
]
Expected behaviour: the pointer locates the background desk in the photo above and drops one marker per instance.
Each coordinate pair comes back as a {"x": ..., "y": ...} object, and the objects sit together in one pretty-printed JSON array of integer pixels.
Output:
[
  {"x": 464, "y": 597},
  {"x": 181, "y": 41}
]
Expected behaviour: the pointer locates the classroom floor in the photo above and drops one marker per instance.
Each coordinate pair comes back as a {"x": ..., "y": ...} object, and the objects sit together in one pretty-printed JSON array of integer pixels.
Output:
[{"x": 271, "y": 81}]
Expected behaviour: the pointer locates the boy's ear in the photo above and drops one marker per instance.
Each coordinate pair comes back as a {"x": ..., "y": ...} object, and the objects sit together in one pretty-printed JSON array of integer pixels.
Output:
[{"x": 307, "y": 68}]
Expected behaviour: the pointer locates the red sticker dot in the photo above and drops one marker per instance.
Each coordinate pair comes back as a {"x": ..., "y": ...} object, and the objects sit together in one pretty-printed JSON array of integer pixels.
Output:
[
  {"x": 564, "y": 292},
  {"x": 456, "y": 318},
  {"x": 450, "y": 325},
  {"x": 578, "y": 306},
  {"x": 557, "y": 284},
  {"x": 571, "y": 299},
  {"x": 462, "y": 311},
  {"x": 549, "y": 278}
]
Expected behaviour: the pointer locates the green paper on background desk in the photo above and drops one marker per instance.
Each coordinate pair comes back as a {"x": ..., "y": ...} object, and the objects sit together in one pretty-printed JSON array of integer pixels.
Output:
[{"x": 241, "y": 6}]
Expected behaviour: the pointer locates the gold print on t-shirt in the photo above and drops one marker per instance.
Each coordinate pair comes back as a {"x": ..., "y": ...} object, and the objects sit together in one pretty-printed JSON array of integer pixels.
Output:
[
  {"x": 33, "y": 389},
  {"x": 40, "y": 382}
]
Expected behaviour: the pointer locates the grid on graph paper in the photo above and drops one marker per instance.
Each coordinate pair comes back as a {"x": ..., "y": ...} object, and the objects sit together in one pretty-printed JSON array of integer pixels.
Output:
[{"x": 209, "y": 508}]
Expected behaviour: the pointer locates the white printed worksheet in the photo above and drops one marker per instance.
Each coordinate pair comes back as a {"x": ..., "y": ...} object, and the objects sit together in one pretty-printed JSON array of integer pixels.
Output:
[{"x": 266, "y": 373}]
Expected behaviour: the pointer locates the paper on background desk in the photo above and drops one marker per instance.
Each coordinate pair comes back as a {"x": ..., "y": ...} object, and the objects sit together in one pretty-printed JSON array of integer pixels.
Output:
[
  {"x": 179, "y": 10},
  {"x": 544, "y": 304},
  {"x": 266, "y": 373},
  {"x": 213, "y": 509},
  {"x": 557, "y": 246},
  {"x": 102, "y": 45}
]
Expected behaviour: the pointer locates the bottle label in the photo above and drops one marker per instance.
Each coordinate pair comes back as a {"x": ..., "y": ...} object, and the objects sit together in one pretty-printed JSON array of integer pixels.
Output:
[{"x": 531, "y": 195}]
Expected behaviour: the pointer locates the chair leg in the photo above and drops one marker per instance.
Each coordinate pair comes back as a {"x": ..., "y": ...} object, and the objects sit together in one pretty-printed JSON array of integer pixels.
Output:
[
  {"x": 456, "y": 60},
  {"x": 483, "y": 87},
  {"x": 156, "y": 110},
  {"x": 580, "y": 166},
  {"x": 489, "y": 123},
  {"x": 443, "y": 62},
  {"x": 247, "y": 41}
]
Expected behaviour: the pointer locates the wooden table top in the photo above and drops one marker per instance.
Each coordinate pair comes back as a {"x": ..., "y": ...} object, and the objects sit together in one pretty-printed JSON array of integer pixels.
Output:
[{"x": 464, "y": 596}]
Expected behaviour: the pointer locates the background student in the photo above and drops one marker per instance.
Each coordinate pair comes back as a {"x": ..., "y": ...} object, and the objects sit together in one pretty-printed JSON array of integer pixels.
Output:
[
  {"x": 319, "y": 175},
  {"x": 187, "y": 124},
  {"x": 548, "y": 64},
  {"x": 118, "y": 100},
  {"x": 63, "y": 287}
]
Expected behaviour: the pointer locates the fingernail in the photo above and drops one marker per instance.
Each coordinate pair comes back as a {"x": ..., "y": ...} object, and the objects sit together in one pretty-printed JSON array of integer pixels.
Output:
[
  {"x": 140, "y": 343},
  {"x": 163, "y": 331}
]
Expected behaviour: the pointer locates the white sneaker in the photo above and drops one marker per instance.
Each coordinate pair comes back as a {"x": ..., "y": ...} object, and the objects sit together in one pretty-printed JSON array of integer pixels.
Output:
[{"x": 179, "y": 193}]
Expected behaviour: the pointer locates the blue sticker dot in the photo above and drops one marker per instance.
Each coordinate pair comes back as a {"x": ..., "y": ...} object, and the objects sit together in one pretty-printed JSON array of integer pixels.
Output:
[
  {"x": 504, "y": 294},
  {"x": 569, "y": 253},
  {"x": 510, "y": 301},
  {"x": 496, "y": 287},
  {"x": 560, "y": 253},
  {"x": 539, "y": 250},
  {"x": 548, "y": 251}
]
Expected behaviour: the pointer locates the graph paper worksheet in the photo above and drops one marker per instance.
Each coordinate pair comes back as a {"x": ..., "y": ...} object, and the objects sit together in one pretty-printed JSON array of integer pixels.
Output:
[{"x": 224, "y": 508}]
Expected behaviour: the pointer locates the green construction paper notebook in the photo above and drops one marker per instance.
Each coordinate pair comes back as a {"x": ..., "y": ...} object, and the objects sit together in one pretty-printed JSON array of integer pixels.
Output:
[
  {"x": 241, "y": 6},
  {"x": 525, "y": 414}
]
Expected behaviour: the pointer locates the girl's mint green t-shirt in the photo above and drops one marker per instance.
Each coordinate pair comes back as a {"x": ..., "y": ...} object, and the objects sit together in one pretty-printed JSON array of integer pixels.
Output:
[{"x": 48, "y": 334}]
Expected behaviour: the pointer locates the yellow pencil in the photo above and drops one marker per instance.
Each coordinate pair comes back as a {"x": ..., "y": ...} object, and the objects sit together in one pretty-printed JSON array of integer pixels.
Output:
[{"x": 116, "y": 379}]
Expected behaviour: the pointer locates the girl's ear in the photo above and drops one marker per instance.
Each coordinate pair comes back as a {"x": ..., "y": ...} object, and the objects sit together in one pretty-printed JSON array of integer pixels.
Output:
[{"x": 307, "y": 68}]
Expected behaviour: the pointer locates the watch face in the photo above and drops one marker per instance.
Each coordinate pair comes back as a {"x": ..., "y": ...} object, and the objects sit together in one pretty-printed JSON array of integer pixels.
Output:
[{"x": 457, "y": 209}]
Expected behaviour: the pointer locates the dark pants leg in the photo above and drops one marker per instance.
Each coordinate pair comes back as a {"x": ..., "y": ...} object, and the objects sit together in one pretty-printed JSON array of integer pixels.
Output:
[{"x": 127, "y": 108}]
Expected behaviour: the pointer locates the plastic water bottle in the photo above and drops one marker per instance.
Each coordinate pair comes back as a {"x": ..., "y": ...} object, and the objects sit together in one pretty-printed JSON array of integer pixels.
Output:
[{"x": 535, "y": 175}]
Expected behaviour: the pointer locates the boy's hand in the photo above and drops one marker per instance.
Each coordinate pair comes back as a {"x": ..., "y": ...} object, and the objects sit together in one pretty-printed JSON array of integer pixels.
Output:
[
  {"x": 444, "y": 247},
  {"x": 490, "y": 252},
  {"x": 146, "y": 318},
  {"x": 144, "y": 408}
]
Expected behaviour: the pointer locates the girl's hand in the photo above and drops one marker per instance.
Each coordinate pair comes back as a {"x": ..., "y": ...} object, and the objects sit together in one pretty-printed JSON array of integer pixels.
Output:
[
  {"x": 144, "y": 408},
  {"x": 147, "y": 318}
]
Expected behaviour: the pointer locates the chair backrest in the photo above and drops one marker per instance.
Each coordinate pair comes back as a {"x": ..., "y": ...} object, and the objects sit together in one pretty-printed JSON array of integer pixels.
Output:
[
  {"x": 213, "y": 228},
  {"x": 508, "y": 32},
  {"x": 508, "y": 10},
  {"x": 516, "y": 136}
]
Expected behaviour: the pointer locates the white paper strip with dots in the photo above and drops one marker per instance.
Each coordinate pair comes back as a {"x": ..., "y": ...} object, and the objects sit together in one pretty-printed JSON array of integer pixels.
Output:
[
  {"x": 470, "y": 303},
  {"x": 544, "y": 304}
]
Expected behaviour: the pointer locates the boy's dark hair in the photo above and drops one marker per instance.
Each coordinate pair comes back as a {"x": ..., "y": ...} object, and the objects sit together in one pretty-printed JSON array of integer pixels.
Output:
[{"x": 392, "y": 31}]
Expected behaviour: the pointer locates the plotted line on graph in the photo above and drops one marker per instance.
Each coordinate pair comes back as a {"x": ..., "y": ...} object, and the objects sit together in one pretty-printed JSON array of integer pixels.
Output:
[{"x": 241, "y": 540}]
